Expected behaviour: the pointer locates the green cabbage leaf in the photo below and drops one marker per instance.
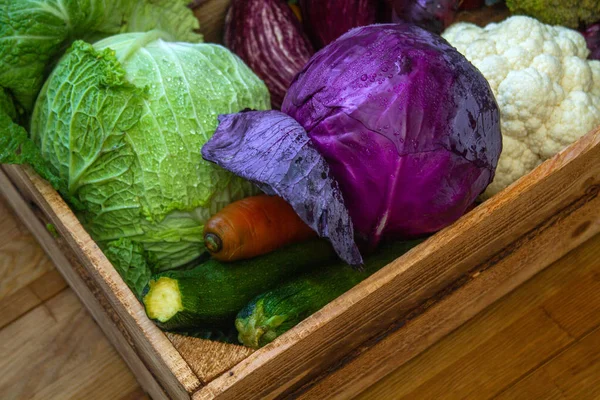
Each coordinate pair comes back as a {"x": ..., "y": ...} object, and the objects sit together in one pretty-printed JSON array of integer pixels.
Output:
[
  {"x": 122, "y": 123},
  {"x": 35, "y": 33}
]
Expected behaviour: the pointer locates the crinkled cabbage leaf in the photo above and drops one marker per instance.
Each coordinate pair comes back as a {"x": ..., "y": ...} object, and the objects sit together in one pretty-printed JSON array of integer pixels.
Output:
[
  {"x": 35, "y": 33},
  {"x": 122, "y": 123}
]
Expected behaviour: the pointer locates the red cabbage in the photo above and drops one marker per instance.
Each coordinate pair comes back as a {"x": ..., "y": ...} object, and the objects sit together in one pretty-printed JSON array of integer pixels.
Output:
[
  {"x": 409, "y": 128},
  {"x": 272, "y": 150}
]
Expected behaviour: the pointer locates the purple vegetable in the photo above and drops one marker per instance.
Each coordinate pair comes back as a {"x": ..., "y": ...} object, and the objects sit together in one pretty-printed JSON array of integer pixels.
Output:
[
  {"x": 273, "y": 151},
  {"x": 269, "y": 38},
  {"x": 592, "y": 37},
  {"x": 326, "y": 20},
  {"x": 433, "y": 15},
  {"x": 409, "y": 128}
]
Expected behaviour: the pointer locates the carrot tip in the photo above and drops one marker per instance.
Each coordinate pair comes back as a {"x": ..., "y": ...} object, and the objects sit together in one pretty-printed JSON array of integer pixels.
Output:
[{"x": 213, "y": 243}]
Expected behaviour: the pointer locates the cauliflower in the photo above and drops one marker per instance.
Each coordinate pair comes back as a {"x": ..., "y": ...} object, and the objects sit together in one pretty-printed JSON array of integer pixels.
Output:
[
  {"x": 558, "y": 12},
  {"x": 547, "y": 90}
]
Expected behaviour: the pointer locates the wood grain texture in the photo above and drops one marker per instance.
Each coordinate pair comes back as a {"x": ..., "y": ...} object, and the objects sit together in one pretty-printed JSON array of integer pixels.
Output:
[
  {"x": 208, "y": 359},
  {"x": 500, "y": 346},
  {"x": 103, "y": 281},
  {"x": 96, "y": 304},
  {"x": 573, "y": 374},
  {"x": 567, "y": 182},
  {"x": 478, "y": 289},
  {"x": 62, "y": 355},
  {"x": 30, "y": 296},
  {"x": 22, "y": 261}
]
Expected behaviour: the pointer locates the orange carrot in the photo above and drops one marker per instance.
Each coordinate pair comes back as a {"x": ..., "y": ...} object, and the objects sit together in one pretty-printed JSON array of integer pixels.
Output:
[{"x": 253, "y": 226}]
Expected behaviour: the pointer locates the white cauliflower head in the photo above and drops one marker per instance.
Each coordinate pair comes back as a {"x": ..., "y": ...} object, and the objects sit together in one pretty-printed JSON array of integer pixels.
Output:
[{"x": 547, "y": 90}]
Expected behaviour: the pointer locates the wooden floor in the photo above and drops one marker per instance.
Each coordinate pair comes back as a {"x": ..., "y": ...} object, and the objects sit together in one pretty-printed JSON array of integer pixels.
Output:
[{"x": 540, "y": 342}]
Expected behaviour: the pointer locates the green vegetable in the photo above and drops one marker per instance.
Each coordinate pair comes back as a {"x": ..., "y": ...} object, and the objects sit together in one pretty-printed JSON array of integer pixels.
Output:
[
  {"x": 275, "y": 312},
  {"x": 34, "y": 33},
  {"x": 131, "y": 262},
  {"x": 122, "y": 122},
  {"x": 17, "y": 148},
  {"x": 211, "y": 294},
  {"x": 52, "y": 229},
  {"x": 570, "y": 13}
]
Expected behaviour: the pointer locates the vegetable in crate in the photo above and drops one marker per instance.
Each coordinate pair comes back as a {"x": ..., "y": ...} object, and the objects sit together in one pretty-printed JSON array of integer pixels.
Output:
[
  {"x": 570, "y": 13},
  {"x": 325, "y": 21},
  {"x": 275, "y": 312},
  {"x": 547, "y": 90},
  {"x": 433, "y": 15},
  {"x": 253, "y": 226},
  {"x": 274, "y": 151},
  {"x": 122, "y": 122},
  {"x": 409, "y": 128},
  {"x": 210, "y": 295},
  {"x": 269, "y": 38},
  {"x": 35, "y": 33},
  {"x": 592, "y": 38}
]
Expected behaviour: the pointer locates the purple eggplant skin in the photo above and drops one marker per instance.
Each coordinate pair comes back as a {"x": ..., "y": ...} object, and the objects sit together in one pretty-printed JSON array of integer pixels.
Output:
[
  {"x": 592, "y": 37},
  {"x": 433, "y": 15},
  {"x": 326, "y": 20},
  {"x": 409, "y": 128},
  {"x": 269, "y": 38}
]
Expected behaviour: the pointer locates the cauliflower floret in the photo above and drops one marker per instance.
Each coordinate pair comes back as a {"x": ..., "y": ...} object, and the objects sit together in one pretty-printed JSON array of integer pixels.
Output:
[{"x": 547, "y": 90}]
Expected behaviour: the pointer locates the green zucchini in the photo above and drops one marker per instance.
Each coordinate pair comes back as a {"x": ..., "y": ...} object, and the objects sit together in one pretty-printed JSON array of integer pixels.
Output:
[
  {"x": 276, "y": 311},
  {"x": 210, "y": 295}
]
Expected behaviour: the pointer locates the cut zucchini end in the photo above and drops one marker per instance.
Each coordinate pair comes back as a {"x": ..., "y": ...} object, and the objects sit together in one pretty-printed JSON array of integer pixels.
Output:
[
  {"x": 163, "y": 299},
  {"x": 255, "y": 329}
]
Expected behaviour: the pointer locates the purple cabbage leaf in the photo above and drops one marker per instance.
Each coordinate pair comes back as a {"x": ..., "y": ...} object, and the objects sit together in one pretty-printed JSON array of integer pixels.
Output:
[{"x": 274, "y": 152}]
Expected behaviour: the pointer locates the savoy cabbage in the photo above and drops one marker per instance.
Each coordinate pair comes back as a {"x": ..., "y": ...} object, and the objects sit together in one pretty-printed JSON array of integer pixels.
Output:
[
  {"x": 34, "y": 33},
  {"x": 122, "y": 122}
]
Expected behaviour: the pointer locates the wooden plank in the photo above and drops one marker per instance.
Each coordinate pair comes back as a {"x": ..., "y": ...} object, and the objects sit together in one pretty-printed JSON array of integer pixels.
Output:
[
  {"x": 30, "y": 296},
  {"x": 577, "y": 307},
  {"x": 97, "y": 306},
  {"x": 8, "y": 224},
  {"x": 567, "y": 182},
  {"x": 22, "y": 261},
  {"x": 458, "y": 356},
  {"x": 513, "y": 267},
  {"x": 17, "y": 304},
  {"x": 48, "y": 285},
  {"x": 141, "y": 331},
  {"x": 61, "y": 354},
  {"x": 208, "y": 359},
  {"x": 482, "y": 371},
  {"x": 572, "y": 375}
]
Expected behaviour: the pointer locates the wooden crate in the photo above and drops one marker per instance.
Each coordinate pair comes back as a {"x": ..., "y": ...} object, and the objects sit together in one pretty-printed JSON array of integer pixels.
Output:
[{"x": 363, "y": 335}]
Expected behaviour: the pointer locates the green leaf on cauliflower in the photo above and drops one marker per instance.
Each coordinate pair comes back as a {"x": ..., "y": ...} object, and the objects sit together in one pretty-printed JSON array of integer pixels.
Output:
[{"x": 34, "y": 33}]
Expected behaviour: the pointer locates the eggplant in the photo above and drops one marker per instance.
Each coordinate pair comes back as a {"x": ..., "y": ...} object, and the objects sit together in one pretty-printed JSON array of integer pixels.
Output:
[
  {"x": 269, "y": 38},
  {"x": 325, "y": 21}
]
